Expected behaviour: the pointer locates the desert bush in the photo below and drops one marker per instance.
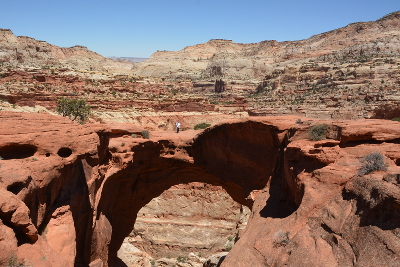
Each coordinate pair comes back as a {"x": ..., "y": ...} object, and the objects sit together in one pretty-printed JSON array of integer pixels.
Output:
[
  {"x": 181, "y": 259},
  {"x": 13, "y": 261},
  {"x": 73, "y": 108},
  {"x": 396, "y": 119},
  {"x": 228, "y": 247},
  {"x": 281, "y": 238},
  {"x": 145, "y": 134},
  {"x": 134, "y": 135},
  {"x": 202, "y": 125},
  {"x": 372, "y": 162},
  {"x": 317, "y": 132}
]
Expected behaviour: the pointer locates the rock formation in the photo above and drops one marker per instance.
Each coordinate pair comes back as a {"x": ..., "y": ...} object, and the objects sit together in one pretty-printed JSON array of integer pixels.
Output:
[
  {"x": 25, "y": 51},
  {"x": 347, "y": 73},
  {"x": 223, "y": 58},
  {"x": 71, "y": 193},
  {"x": 195, "y": 218}
]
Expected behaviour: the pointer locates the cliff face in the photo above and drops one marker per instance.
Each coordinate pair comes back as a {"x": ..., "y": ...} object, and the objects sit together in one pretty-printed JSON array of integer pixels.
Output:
[
  {"x": 27, "y": 52},
  {"x": 223, "y": 58},
  {"x": 70, "y": 194},
  {"x": 349, "y": 73}
]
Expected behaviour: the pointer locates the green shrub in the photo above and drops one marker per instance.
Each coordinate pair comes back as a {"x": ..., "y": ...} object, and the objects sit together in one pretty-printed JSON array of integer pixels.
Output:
[
  {"x": 73, "y": 108},
  {"x": 13, "y": 261},
  {"x": 134, "y": 135},
  {"x": 145, "y": 134},
  {"x": 372, "y": 162},
  {"x": 202, "y": 125},
  {"x": 396, "y": 119},
  {"x": 317, "y": 132},
  {"x": 181, "y": 259}
]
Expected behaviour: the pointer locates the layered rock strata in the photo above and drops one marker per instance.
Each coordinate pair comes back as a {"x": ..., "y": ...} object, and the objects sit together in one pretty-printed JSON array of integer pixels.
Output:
[
  {"x": 347, "y": 73},
  {"x": 196, "y": 218},
  {"x": 224, "y": 58},
  {"x": 25, "y": 51}
]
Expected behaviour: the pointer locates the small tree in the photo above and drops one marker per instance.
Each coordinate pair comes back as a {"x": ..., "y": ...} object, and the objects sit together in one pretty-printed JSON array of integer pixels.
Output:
[{"x": 73, "y": 108}]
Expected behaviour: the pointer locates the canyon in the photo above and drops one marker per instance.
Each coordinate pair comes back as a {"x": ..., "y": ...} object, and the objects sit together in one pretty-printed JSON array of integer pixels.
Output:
[{"x": 253, "y": 189}]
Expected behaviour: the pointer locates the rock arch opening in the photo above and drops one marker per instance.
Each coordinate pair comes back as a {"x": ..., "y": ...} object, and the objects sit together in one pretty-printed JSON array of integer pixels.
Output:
[{"x": 188, "y": 219}]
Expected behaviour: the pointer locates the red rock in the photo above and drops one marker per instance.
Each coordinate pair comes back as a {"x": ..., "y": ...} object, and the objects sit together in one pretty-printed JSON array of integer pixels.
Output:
[{"x": 82, "y": 189}]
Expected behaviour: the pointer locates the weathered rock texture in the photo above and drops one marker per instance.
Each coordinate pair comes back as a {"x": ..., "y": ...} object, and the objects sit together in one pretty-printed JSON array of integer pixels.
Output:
[
  {"x": 27, "y": 52},
  {"x": 223, "y": 58},
  {"x": 348, "y": 73},
  {"x": 120, "y": 98},
  {"x": 197, "y": 218},
  {"x": 70, "y": 194}
]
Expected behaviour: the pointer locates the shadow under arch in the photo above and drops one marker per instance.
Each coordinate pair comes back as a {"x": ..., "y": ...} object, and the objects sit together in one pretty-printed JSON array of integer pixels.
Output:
[{"x": 240, "y": 157}]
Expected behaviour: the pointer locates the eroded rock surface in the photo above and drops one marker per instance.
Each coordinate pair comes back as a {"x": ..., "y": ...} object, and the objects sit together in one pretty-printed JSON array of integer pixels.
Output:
[
  {"x": 28, "y": 52},
  {"x": 71, "y": 193},
  {"x": 196, "y": 217},
  {"x": 224, "y": 58}
]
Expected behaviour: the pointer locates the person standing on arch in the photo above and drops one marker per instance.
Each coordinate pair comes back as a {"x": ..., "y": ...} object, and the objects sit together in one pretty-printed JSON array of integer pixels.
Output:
[{"x": 178, "y": 126}]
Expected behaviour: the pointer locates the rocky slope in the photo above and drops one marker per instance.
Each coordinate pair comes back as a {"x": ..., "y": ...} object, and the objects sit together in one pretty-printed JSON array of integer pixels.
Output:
[
  {"x": 120, "y": 98},
  {"x": 348, "y": 73},
  {"x": 23, "y": 51},
  {"x": 223, "y": 58},
  {"x": 70, "y": 193}
]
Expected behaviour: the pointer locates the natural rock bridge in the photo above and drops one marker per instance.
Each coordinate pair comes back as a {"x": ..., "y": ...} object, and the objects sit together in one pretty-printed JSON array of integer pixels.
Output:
[{"x": 71, "y": 193}]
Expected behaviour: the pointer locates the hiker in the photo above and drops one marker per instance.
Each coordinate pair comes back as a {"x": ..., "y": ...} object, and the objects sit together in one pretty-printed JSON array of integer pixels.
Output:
[{"x": 178, "y": 126}]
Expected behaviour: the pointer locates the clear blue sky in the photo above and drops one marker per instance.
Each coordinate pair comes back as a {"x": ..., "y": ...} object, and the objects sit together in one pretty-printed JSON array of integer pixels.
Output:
[{"x": 139, "y": 28}]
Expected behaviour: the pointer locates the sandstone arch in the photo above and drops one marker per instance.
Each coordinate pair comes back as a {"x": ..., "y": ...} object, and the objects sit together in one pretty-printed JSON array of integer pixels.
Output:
[
  {"x": 241, "y": 157},
  {"x": 308, "y": 190}
]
